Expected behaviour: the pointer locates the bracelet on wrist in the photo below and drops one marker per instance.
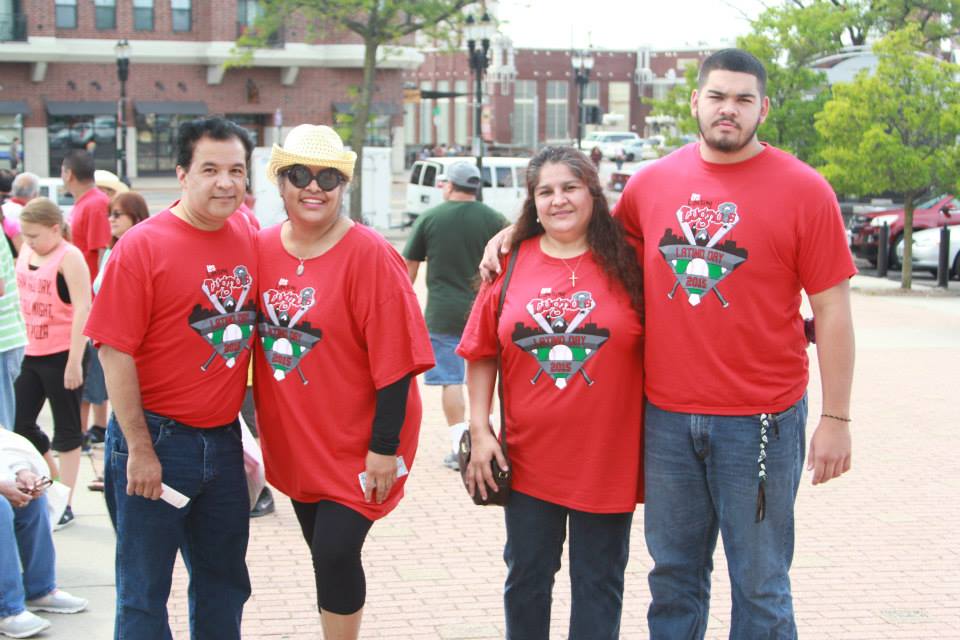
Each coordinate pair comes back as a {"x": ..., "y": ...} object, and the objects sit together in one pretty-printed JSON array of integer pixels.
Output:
[{"x": 833, "y": 417}]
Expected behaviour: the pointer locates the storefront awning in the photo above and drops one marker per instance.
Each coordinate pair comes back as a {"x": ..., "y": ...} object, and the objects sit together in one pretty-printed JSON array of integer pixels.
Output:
[
  {"x": 82, "y": 108},
  {"x": 167, "y": 108},
  {"x": 376, "y": 109},
  {"x": 14, "y": 107}
]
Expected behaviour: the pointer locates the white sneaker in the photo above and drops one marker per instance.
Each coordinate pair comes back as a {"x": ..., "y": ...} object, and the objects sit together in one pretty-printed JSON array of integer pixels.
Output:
[
  {"x": 456, "y": 430},
  {"x": 58, "y": 601},
  {"x": 22, "y": 625}
]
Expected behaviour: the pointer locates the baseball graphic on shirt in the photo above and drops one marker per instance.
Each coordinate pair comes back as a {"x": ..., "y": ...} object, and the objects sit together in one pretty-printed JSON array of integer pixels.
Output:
[
  {"x": 560, "y": 342},
  {"x": 228, "y": 326},
  {"x": 697, "y": 257},
  {"x": 285, "y": 339}
]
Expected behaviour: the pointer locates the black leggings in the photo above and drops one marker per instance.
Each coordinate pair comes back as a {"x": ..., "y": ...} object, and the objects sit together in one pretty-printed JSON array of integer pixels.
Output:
[
  {"x": 335, "y": 534},
  {"x": 41, "y": 379}
]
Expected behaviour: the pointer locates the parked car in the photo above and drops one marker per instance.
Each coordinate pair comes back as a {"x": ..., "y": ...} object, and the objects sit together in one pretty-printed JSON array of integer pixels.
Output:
[
  {"x": 642, "y": 149},
  {"x": 926, "y": 250},
  {"x": 607, "y": 141},
  {"x": 504, "y": 184},
  {"x": 865, "y": 228},
  {"x": 618, "y": 179}
]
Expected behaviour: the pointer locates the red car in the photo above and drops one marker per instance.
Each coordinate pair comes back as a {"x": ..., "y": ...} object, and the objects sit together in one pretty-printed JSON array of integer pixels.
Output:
[{"x": 864, "y": 229}]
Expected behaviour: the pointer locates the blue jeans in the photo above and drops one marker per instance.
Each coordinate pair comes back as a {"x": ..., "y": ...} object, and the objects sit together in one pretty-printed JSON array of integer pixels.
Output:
[
  {"x": 599, "y": 549},
  {"x": 210, "y": 532},
  {"x": 10, "y": 362},
  {"x": 701, "y": 474},
  {"x": 26, "y": 545},
  {"x": 450, "y": 368}
]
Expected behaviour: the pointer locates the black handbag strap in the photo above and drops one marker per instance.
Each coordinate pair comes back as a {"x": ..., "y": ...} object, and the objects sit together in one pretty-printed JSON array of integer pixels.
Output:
[{"x": 511, "y": 261}]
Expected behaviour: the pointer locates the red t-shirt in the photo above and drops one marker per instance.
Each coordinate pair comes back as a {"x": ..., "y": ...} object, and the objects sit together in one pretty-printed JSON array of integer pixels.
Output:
[
  {"x": 328, "y": 339},
  {"x": 90, "y": 227},
  {"x": 572, "y": 363},
  {"x": 728, "y": 249},
  {"x": 182, "y": 302}
]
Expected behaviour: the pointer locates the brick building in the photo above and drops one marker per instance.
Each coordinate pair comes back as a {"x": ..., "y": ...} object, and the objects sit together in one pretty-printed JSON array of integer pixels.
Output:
[
  {"x": 59, "y": 86},
  {"x": 531, "y": 98}
]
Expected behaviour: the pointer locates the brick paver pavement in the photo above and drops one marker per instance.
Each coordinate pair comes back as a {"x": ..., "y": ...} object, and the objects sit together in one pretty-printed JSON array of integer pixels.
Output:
[{"x": 876, "y": 553}]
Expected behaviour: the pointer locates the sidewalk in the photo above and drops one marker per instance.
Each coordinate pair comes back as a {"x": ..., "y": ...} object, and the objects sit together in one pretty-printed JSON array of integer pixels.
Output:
[{"x": 873, "y": 551}]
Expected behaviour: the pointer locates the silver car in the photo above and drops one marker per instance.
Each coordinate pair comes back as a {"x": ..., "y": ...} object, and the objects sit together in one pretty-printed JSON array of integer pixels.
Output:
[{"x": 926, "y": 250}]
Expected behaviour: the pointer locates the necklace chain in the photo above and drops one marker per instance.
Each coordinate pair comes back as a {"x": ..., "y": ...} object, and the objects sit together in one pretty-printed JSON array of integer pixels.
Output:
[
  {"x": 301, "y": 267},
  {"x": 573, "y": 271}
]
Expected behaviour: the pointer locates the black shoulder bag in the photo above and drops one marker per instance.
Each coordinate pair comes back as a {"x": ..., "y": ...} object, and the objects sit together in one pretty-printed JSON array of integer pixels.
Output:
[{"x": 501, "y": 477}]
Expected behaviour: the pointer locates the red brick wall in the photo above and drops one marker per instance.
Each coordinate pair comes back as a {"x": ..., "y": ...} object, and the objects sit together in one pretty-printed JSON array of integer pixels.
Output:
[{"x": 310, "y": 99}]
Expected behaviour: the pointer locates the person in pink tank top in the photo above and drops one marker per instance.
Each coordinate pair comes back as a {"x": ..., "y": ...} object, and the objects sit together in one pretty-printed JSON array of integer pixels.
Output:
[{"x": 54, "y": 284}]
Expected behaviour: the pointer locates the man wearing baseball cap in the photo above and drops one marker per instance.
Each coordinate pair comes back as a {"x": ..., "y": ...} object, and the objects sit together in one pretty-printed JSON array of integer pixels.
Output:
[{"x": 451, "y": 237}]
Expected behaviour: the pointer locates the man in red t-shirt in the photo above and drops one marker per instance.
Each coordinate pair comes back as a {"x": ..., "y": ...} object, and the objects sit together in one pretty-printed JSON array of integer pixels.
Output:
[
  {"x": 174, "y": 319},
  {"x": 89, "y": 220},
  {"x": 733, "y": 229}
]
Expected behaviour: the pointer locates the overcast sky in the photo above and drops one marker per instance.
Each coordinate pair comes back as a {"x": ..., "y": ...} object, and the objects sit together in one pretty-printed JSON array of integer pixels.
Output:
[{"x": 626, "y": 24}]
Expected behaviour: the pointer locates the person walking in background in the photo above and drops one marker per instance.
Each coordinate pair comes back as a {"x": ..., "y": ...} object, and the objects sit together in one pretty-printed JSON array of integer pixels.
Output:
[
  {"x": 451, "y": 237},
  {"x": 337, "y": 309},
  {"x": 10, "y": 223},
  {"x": 126, "y": 209},
  {"x": 15, "y": 154},
  {"x": 89, "y": 226},
  {"x": 570, "y": 344},
  {"x": 173, "y": 321},
  {"x": 54, "y": 286},
  {"x": 13, "y": 337}
]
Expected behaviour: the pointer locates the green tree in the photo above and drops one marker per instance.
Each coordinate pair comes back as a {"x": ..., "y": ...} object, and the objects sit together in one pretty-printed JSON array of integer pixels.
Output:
[
  {"x": 896, "y": 130},
  {"x": 379, "y": 24},
  {"x": 676, "y": 104}
]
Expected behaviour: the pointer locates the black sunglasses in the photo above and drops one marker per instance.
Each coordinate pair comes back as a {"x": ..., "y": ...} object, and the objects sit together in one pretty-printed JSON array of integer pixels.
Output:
[{"x": 327, "y": 179}]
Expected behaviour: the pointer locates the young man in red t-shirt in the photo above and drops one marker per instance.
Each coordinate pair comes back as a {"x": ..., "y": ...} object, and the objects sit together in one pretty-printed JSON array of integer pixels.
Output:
[
  {"x": 733, "y": 230},
  {"x": 89, "y": 220},
  {"x": 174, "y": 319}
]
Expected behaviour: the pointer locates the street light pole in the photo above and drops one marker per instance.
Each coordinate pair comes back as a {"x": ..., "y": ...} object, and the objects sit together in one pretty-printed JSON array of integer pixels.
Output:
[
  {"x": 478, "y": 47},
  {"x": 582, "y": 64},
  {"x": 123, "y": 72}
]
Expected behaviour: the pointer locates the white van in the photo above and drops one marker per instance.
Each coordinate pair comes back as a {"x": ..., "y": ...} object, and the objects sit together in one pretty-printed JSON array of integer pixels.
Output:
[
  {"x": 53, "y": 189},
  {"x": 607, "y": 141},
  {"x": 504, "y": 184}
]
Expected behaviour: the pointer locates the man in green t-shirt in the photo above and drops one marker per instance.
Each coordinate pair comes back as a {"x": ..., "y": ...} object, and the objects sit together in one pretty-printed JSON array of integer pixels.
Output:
[{"x": 451, "y": 237}]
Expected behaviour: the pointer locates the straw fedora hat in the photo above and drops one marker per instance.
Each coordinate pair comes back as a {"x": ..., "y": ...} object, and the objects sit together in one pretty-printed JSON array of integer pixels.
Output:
[
  {"x": 310, "y": 144},
  {"x": 108, "y": 179}
]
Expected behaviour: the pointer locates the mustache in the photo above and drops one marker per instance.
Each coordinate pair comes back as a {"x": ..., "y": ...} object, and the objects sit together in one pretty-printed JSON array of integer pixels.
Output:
[{"x": 730, "y": 120}]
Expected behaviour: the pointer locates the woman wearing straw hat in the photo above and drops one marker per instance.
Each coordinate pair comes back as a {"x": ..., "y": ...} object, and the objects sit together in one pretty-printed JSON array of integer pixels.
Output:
[{"x": 341, "y": 339}]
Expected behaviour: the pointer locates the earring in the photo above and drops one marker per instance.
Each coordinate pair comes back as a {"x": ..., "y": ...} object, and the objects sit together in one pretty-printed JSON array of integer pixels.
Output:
[{"x": 538, "y": 220}]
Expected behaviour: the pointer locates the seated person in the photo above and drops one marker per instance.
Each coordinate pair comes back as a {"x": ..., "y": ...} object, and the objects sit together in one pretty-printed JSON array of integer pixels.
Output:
[{"x": 27, "y": 558}]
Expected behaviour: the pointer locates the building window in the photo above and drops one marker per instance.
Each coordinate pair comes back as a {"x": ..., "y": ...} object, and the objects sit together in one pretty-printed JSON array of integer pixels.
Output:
[
  {"x": 248, "y": 11},
  {"x": 66, "y": 14},
  {"x": 410, "y": 123},
  {"x": 557, "y": 115},
  {"x": 182, "y": 10},
  {"x": 442, "y": 113},
  {"x": 94, "y": 133},
  {"x": 105, "y": 14},
  {"x": 143, "y": 15},
  {"x": 525, "y": 114},
  {"x": 426, "y": 116},
  {"x": 460, "y": 114}
]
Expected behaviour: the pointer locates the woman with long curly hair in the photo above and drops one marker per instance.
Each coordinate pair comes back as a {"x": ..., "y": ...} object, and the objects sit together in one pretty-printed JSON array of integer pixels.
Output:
[{"x": 570, "y": 338}]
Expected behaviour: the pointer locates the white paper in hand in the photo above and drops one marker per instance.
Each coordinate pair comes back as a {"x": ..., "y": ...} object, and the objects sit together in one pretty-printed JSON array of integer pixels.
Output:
[{"x": 173, "y": 497}]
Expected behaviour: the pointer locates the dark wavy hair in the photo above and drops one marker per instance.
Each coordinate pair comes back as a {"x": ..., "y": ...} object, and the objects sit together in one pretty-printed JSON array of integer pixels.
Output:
[{"x": 605, "y": 235}]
